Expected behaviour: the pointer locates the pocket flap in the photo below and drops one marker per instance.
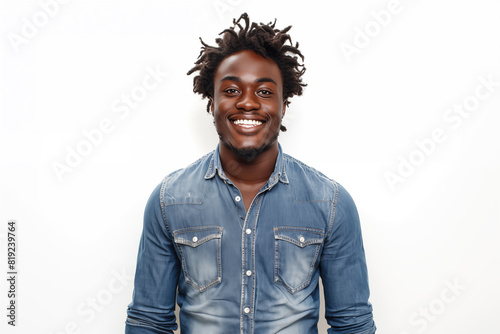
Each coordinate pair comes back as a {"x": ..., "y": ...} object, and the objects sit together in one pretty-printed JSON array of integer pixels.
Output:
[
  {"x": 195, "y": 236},
  {"x": 300, "y": 236}
]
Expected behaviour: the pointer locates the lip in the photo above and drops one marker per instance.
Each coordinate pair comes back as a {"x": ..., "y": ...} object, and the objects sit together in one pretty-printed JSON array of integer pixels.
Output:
[
  {"x": 246, "y": 124},
  {"x": 246, "y": 129}
]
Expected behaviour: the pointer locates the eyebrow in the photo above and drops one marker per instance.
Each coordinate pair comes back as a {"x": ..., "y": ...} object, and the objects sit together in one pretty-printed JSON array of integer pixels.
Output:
[{"x": 237, "y": 79}]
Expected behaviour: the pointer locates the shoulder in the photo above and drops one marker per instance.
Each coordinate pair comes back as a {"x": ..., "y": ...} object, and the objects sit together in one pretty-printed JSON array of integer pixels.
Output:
[
  {"x": 296, "y": 166},
  {"x": 308, "y": 183},
  {"x": 200, "y": 166},
  {"x": 185, "y": 185},
  {"x": 320, "y": 187}
]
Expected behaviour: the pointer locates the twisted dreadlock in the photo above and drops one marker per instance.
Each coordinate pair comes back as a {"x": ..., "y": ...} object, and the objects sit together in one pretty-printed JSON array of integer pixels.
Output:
[{"x": 262, "y": 39}]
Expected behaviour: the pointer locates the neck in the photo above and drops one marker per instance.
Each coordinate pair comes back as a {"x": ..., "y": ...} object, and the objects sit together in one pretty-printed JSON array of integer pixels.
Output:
[{"x": 256, "y": 171}]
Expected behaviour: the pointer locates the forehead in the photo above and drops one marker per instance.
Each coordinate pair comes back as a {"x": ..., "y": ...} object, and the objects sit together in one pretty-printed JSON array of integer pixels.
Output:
[{"x": 248, "y": 66}]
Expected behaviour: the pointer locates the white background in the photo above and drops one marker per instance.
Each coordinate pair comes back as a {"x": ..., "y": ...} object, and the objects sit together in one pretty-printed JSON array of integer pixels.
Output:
[{"x": 78, "y": 235}]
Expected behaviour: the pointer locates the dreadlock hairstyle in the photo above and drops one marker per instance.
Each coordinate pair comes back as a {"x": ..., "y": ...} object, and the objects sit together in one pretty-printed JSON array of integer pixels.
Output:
[{"x": 263, "y": 39}]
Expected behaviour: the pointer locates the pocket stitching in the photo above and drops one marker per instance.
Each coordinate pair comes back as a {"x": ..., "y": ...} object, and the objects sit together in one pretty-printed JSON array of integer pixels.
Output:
[
  {"x": 278, "y": 236},
  {"x": 180, "y": 241},
  {"x": 298, "y": 243},
  {"x": 199, "y": 242}
]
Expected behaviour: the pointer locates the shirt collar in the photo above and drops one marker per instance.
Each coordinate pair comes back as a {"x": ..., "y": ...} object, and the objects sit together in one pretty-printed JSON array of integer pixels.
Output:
[{"x": 279, "y": 173}]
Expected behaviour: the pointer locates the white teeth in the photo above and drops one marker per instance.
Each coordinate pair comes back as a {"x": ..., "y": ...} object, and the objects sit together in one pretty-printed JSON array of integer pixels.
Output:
[{"x": 247, "y": 122}]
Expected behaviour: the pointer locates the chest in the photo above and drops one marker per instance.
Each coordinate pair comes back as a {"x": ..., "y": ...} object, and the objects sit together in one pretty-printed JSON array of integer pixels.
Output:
[{"x": 249, "y": 192}]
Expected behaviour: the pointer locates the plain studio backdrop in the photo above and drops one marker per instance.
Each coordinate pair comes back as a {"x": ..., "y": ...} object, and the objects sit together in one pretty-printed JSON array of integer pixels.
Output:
[{"x": 401, "y": 107}]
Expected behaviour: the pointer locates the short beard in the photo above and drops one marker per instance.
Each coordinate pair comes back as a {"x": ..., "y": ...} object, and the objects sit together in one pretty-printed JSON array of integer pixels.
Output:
[{"x": 249, "y": 154}]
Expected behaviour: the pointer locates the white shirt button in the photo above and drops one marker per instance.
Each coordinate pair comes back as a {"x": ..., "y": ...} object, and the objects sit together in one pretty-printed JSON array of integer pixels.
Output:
[
  {"x": 195, "y": 239},
  {"x": 249, "y": 273},
  {"x": 302, "y": 239},
  {"x": 237, "y": 198},
  {"x": 248, "y": 231},
  {"x": 246, "y": 310}
]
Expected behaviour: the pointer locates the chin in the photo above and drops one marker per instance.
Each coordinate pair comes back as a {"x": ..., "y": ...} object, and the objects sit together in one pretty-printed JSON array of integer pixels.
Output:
[{"x": 249, "y": 153}]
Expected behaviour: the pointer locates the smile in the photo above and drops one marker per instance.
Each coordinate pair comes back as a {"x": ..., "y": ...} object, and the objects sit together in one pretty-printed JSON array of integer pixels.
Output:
[{"x": 248, "y": 123}]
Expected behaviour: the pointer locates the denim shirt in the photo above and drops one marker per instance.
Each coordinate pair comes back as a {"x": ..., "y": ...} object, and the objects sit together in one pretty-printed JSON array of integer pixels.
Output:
[{"x": 255, "y": 271}]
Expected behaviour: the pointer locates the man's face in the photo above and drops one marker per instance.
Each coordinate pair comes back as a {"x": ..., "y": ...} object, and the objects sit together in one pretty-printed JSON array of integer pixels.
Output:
[{"x": 248, "y": 103}]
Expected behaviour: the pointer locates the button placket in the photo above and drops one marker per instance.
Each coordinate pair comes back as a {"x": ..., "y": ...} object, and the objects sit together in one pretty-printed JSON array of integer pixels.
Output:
[{"x": 248, "y": 263}]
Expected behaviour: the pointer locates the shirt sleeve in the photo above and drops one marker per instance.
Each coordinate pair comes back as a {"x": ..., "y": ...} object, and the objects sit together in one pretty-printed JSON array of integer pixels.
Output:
[
  {"x": 156, "y": 277},
  {"x": 344, "y": 273}
]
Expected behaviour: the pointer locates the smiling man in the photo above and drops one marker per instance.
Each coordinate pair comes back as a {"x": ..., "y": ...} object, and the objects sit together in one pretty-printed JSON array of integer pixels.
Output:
[{"x": 241, "y": 237}]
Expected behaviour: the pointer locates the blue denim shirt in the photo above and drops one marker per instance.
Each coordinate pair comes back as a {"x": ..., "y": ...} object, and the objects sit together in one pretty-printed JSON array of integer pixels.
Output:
[{"x": 234, "y": 271}]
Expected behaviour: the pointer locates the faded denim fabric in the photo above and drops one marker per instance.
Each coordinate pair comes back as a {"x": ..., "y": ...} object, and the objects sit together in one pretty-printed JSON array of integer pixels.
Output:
[{"x": 234, "y": 271}]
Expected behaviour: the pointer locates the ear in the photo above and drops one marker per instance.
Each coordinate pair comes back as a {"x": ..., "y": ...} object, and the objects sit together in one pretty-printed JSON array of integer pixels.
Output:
[
  {"x": 211, "y": 105},
  {"x": 284, "y": 109}
]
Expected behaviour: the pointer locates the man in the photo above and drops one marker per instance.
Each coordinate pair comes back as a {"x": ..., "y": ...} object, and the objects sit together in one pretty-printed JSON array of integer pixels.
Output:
[{"x": 241, "y": 237}]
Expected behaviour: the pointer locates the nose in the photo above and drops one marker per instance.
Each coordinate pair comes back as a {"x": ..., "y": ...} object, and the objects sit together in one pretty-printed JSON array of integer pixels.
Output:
[{"x": 248, "y": 101}]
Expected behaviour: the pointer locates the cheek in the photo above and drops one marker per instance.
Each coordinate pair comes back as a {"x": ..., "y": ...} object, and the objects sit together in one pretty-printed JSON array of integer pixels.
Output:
[
  {"x": 221, "y": 106},
  {"x": 274, "y": 109},
  {"x": 219, "y": 120},
  {"x": 219, "y": 116}
]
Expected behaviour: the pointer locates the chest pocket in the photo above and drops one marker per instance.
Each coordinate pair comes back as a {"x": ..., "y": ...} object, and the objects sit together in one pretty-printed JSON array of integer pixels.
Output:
[
  {"x": 200, "y": 250},
  {"x": 296, "y": 255}
]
